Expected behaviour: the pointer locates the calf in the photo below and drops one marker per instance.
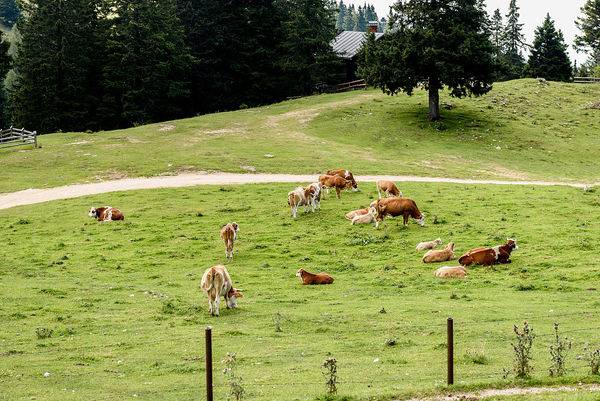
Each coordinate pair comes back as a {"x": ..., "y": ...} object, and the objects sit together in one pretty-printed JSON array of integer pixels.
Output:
[
  {"x": 423, "y": 246},
  {"x": 346, "y": 175},
  {"x": 451, "y": 272},
  {"x": 336, "y": 182},
  {"x": 489, "y": 256},
  {"x": 297, "y": 198},
  {"x": 351, "y": 215},
  {"x": 314, "y": 279},
  {"x": 444, "y": 255},
  {"x": 397, "y": 207},
  {"x": 106, "y": 213},
  {"x": 216, "y": 283},
  {"x": 313, "y": 195},
  {"x": 229, "y": 235},
  {"x": 388, "y": 188},
  {"x": 368, "y": 218}
]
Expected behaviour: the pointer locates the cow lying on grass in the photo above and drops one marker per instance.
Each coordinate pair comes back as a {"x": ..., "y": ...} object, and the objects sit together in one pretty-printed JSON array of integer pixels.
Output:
[
  {"x": 106, "y": 213},
  {"x": 336, "y": 182},
  {"x": 346, "y": 175},
  {"x": 451, "y": 272},
  {"x": 229, "y": 235},
  {"x": 423, "y": 246},
  {"x": 314, "y": 279},
  {"x": 443, "y": 255},
  {"x": 216, "y": 283},
  {"x": 395, "y": 207},
  {"x": 351, "y": 215},
  {"x": 367, "y": 218},
  {"x": 388, "y": 188},
  {"x": 489, "y": 256}
]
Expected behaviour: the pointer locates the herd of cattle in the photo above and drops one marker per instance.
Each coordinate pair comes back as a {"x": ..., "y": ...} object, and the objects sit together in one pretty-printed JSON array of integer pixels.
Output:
[{"x": 216, "y": 281}]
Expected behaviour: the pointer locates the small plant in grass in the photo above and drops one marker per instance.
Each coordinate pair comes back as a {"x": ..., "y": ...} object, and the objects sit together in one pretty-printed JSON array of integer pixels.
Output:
[
  {"x": 522, "y": 348},
  {"x": 476, "y": 356},
  {"x": 277, "y": 320},
  {"x": 236, "y": 388},
  {"x": 330, "y": 373},
  {"x": 43, "y": 333},
  {"x": 558, "y": 353},
  {"x": 592, "y": 357}
]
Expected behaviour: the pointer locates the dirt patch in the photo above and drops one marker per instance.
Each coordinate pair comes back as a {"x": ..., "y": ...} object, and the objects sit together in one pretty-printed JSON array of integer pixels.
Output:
[
  {"x": 166, "y": 128},
  {"x": 80, "y": 143},
  {"x": 112, "y": 175},
  {"x": 503, "y": 172}
]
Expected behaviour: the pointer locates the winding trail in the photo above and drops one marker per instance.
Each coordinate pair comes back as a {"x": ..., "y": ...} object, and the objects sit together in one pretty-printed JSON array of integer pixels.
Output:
[
  {"x": 489, "y": 393},
  {"x": 32, "y": 196}
]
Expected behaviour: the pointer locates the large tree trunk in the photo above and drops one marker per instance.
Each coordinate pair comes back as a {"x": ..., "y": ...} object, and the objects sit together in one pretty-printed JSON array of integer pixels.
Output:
[{"x": 434, "y": 99}]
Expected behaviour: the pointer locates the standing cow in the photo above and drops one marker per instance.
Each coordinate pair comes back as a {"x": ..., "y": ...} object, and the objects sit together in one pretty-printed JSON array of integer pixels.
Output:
[
  {"x": 336, "y": 182},
  {"x": 388, "y": 188},
  {"x": 229, "y": 235},
  {"x": 216, "y": 283},
  {"x": 297, "y": 198},
  {"x": 346, "y": 175},
  {"x": 313, "y": 195},
  {"x": 395, "y": 207}
]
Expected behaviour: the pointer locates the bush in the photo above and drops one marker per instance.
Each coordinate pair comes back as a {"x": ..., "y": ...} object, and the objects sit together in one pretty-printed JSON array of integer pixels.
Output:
[
  {"x": 592, "y": 356},
  {"x": 558, "y": 353},
  {"x": 236, "y": 389},
  {"x": 330, "y": 373},
  {"x": 522, "y": 348}
]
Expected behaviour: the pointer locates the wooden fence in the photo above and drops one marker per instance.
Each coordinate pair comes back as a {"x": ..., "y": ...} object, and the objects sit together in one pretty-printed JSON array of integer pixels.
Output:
[
  {"x": 586, "y": 80},
  {"x": 16, "y": 137},
  {"x": 350, "y": 86}
]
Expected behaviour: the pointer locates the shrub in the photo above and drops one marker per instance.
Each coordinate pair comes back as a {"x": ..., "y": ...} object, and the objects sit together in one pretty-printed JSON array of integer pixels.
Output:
[
  {"x": 558, "y": 353},
  {"x": 592, "y": 356},
  {"x": 522, "y": 348},
  {"x": 236, "y": 389},
  {"x": 43, "y": 332},
  {"x": 330, "y": 373},
  {"x": 277, "y": 320}
]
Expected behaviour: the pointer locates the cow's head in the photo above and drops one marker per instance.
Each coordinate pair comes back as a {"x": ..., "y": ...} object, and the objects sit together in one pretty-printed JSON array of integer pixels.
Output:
[
  {"x": 93, "y": 213},
  {"x": 300, "y": 273},
  {"x": 349, "y": 184},
  {"x": 512, "y": 244},
  {"x": 235, "y": 226},
  {"x": 450, "y": 248},
  {"x": 232, "y": 296},
  {"x": 421, "y": 220},
  {"x": 438, "y": 241}
]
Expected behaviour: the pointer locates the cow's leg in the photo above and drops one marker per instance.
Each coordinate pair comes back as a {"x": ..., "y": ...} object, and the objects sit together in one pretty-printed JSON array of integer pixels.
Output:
[
  {"x": 337, "y": 192},
  {"x": 405, "y": 217},
  {"x": 210, "y": 306},
  {"x": 378, "y": 192},
  {"x": 216, "y": 307}
]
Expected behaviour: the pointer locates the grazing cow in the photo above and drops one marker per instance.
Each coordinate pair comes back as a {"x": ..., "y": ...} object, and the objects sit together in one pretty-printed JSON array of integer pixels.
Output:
[
  {"x": 313, "y": 194},
  {"x": 335, "y": 181},
  {"x": 314, "y": 279},
  {"x": 489, "y": 256},
  {"x": 397, "y": 207},
  {"x": 106, "y": 213},
  {"x": 443, "y": 255},
  {"x": 388, "y": 188},
  {"x": 346, "y": 175},
  {"x": 351, "y": 215},
  {"x": 229, "y": 235},
  {"x": 216, "y": 283},
  {"x": 368, "y": 218},
  {"x": 451, "y": 272},
  {"x": 423, "y": 246},
  {"x": 297, "y": 198}
]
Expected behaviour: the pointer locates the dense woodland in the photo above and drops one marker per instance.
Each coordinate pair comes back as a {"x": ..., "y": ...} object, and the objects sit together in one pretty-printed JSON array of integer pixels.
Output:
[{"x": 104, "y": 64}]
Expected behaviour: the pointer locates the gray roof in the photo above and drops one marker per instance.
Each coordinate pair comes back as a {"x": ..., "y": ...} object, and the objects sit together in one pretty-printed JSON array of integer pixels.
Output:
[{"x": 348, "y": 43}]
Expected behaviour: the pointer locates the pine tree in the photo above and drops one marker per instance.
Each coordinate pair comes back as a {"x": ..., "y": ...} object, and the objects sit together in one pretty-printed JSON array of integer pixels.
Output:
[
  {"x": 350, "y": 19},
  {"x": 513, "y": 42},
  {"x": 589, "y": 25},
  {"x": 339, "y": 25},
  {"x": 361, "y": 22},
  {"x": 9, "y": 12},
  {"x": 5, "y": 61},
  {"x": 146, "y": 73},
  {"x": 549, "y": 57},
  {"x": 435, "y": 43},
  {"x": 497, "y": 29},
  {"x": 57, "y": 66}
]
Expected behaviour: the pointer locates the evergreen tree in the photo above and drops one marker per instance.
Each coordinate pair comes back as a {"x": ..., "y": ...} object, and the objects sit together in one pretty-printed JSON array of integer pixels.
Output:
[
  {"x": 514, "y": 42},
  {"x": 9, "y": 12},
  {"x": 436, "y": 44},
  {"x": 350, "y": 19},
  {"x": 361, "y": 21},
  {"x": 497, "y": 30},
  {"x": 5, "y": 62},
  {"x": 589, "y": 25},
  {"x": 549, "y": 57},
  {"x": 57, "y": 66},
  {"x": 341, "y": 16},
  {"x": 309, "y": 58},
  {"x": 146, "y": 72}
]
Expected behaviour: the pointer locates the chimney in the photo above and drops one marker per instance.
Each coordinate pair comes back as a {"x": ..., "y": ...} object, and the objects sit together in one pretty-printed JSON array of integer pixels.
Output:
[{"x": 373, "y": 26}]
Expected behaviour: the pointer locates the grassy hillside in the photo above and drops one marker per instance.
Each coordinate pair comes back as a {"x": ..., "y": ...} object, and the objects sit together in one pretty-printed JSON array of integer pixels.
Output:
[
  {"x": 521, "y": 130},
  {"x": 113, "y": 311}
]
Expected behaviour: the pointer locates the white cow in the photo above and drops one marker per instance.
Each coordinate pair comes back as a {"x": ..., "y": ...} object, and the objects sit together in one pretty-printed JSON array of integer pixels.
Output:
[{"x": 216, "y": 283}]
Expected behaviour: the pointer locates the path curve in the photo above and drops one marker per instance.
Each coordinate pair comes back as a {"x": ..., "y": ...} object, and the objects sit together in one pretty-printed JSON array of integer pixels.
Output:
[
  {"x": 32, "y": 196},
  {"x": 489, "y": 393}
]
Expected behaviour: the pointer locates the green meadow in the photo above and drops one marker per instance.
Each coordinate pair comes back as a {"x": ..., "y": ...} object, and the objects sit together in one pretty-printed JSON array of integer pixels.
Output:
[
  {"x": 114, "y": 311},
  {"x": 520, "y": 130}
]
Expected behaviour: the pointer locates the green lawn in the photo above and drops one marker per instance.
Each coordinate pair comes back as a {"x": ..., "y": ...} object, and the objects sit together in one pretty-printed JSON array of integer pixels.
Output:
[
  {"x": 520, "y": 130},
  {"x": 559, "y": 396},
  {"x": 126, "y": 318}
]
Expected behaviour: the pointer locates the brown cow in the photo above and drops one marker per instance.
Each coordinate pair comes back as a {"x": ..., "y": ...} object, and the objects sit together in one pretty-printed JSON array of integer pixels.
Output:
[
  {"x": 397, "y": 207},
  {"x": 351, "y": 215},
  {"x": 451, "y": 272},
  {"x": 216, "y": 283},
  {"x": 335, "y": 181},
  {"x": 314, "y": 279},
  {"x": 344, "y": 174},
  {"x": 313, "y": 195},
  {"x": 443, "y": 255},
  {"x": 229, "y": 235},
  {"x": 106, "y": 213},
  {"x": 489, "y": 256},
  {"x": 297, "y": 198},
  {"x": 388, "y": 188}
]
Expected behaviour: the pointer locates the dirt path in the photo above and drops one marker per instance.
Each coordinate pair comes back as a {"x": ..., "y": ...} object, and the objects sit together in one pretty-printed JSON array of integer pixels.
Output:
[
  {"x": 32, "y": 196},
  {"x": 483, "y": 394}
]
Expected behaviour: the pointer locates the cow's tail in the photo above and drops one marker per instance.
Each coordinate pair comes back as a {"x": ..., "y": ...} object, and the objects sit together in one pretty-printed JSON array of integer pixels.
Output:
[{"x": 209, "y": 280}]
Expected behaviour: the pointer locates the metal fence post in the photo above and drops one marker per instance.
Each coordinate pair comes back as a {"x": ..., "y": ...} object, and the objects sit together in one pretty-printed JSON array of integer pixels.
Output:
[
  {"x": 450, "y": 351},
  {"x": 208, "y": 357}
]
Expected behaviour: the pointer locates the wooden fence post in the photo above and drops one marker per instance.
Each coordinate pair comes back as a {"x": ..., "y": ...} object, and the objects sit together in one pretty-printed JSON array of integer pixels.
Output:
[
  {"x": 208, "y": 357},
  {"x": 450, "y": 351}
]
